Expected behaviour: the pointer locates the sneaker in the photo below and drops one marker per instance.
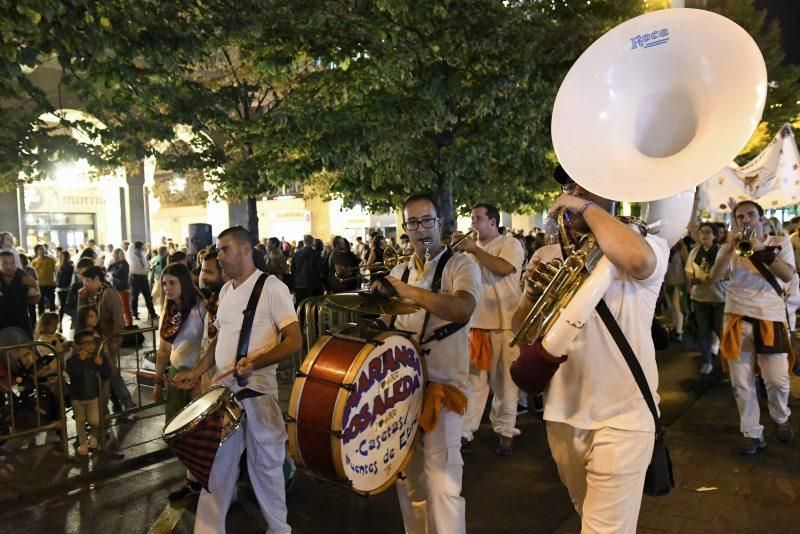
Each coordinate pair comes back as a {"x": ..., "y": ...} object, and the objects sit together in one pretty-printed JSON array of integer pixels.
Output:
[
  {"x": 538, "y": 403},
  {"x": 505, "y": 447},
  {"x": 189, "y": 489},
  {"x": 753, "y": 445},
  {"x": 83, "y": 450},
  {"x": 706, "y": 369},
  {"x": 92, "y": 443},
  {"x": 466, "y": 446},
  {"x": 521, "y": 409},
  {"x": 785, "y": 432}
]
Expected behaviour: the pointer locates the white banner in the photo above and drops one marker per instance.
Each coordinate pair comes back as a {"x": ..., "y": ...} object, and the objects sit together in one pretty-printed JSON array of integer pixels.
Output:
[{"x": 772, "y": 178}]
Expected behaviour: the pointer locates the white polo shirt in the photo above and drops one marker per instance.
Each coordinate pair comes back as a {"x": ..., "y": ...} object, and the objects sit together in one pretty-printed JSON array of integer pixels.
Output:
[
  {"x": 594, "y": 388},
  {"x": 187, "y": 344},
  {"x": 274, "y": 312},
  {"x": 448, "y": 361},
  {"x": 501, "y": 294},
  {"x": 749, "y": 293}
]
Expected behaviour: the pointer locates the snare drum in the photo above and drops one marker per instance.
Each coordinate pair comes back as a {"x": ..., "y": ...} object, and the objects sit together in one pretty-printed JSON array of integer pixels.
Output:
[
  {"x": 197, "y": 431},
  {"x": 355, "y": 407}
]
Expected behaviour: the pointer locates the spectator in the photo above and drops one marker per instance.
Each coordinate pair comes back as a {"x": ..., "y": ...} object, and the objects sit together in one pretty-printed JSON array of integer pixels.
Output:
[
  {"x": 393, "y": 244},
  {"x": 17, "y": 291},
  {"x": 157, "y": 265},
  {"x": 108, "y": 257},
  {"x": 308, "y": 271},
  {"x": 342, "y": 260},
  {"x": 30, "y": 271},
  {"x": 110, "y": 323},
  {"x": 71, "y": 307},
  {"x": 405, "y": 245},
  {"x": 276, "y": 261},
  {"x": 46, "y": 328},
  {"x": 7, "y": 244},
  {"x": 83, "y": 368},
  {"x": 45, "y": 268},
  {"x": 139, "y": 269},
  {"x": 361, "y": 248},
  {"x": 120, "y": 280},
  {"x": 178, "y": 257},
  {"x": 66, "y": 270},
  {"x": 674, "y": 286},
  {"x": 376, "y": 250}
]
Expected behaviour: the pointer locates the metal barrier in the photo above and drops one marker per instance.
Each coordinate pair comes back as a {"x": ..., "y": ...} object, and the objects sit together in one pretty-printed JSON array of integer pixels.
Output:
[
  {"x": 105, "y": 416},
  {"x": 15, "y": 393}
]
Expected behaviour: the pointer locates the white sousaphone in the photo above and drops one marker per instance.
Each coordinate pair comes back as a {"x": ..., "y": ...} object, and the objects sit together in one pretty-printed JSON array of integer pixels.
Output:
[{"x": 651, "y": 109}]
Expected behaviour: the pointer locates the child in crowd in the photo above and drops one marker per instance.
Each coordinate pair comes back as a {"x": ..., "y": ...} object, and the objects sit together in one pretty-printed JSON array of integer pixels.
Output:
[
  {"x": 87, "y": 319},
  {"x": 47, "y": 366},
  {"x": 83, "y": 368}
]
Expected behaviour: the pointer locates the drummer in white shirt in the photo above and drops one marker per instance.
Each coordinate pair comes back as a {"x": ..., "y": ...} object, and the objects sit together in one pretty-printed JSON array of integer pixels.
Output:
[
  {"x": 275, "y": 336},
  {"x": 430, "y": 494},
  {"x": 500, "y": 258}
]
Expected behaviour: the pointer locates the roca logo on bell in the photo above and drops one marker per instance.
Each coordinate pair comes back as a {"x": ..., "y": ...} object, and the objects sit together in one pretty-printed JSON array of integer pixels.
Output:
[{"x": 647, "y": 40}]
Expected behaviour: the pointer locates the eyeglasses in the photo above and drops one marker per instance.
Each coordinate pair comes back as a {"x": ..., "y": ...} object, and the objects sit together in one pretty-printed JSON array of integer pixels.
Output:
[{"x": 428, "y": 223}]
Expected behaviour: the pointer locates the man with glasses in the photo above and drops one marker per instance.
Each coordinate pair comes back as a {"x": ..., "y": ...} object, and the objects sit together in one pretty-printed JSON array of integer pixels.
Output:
[
  {"x": 500, "y": 258},
  {"x": 600, "y": 430},
  {"x": 430, "y": 493}
]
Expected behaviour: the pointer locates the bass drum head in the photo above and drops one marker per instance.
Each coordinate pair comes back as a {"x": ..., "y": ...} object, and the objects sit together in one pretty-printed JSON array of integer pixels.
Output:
[
  {"x": 194, "y": 410},
  {"x": 380, "y": 415}
]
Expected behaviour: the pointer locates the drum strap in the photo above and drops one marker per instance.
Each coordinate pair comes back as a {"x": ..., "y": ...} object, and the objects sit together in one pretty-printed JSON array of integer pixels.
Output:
[
  {"x": 247, "y": 323},
  {"x": 445, "y": 330}
]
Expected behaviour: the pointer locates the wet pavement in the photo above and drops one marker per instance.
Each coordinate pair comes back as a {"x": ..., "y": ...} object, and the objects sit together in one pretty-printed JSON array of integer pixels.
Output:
[{"x": 520, "y": 493}]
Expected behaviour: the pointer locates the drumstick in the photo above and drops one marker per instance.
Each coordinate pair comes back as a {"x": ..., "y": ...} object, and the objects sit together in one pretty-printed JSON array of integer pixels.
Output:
[{"x": 220, "y": 377}]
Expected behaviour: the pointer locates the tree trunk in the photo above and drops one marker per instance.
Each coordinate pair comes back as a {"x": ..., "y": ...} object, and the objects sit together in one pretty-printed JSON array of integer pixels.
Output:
[
  {"x": 445, "y": 199},
  {"x": 252, "y": 218}
]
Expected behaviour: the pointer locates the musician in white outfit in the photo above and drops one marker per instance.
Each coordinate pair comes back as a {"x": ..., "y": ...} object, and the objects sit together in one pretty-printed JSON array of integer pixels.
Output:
[
  {"x": 600, "y": 430},
  {"x": 500, "y": 258},
  {"x": 275, "y": 336},
  {"x": 430, "y": 492}
]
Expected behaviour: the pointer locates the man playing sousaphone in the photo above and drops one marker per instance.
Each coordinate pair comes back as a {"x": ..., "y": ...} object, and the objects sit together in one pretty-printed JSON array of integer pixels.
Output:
[
  {"x": 600, "y": 430},
  {"x": 447, "y": 287}
]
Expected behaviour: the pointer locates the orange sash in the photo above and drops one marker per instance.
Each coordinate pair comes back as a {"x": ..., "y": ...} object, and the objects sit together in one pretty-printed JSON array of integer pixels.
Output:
[
  {"x": 438, "y": 396},
  {"x": 480, "y": 349},
  {"x": 731, "y": 343}
]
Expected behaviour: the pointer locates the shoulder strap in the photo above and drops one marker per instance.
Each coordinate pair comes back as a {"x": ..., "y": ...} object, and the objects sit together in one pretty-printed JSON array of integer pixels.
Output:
[
  {"x": 630, "y": 359},
  {"x": 249, "y": 314},
  {"x": 404, "y": 279},
  {"x": 436, "y": 286},
  {"x": 766, "y": 273}
]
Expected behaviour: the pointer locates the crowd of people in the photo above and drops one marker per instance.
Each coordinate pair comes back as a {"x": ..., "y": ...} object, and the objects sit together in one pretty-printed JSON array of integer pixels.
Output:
[{"x": 738, "y": 306}]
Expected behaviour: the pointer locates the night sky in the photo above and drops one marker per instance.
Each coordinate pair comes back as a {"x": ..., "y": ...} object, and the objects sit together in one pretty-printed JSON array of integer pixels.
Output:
[{"x": 788, "y": 14}]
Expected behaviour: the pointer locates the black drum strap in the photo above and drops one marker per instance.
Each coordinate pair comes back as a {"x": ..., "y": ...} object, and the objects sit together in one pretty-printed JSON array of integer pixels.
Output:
[
  {"x": 404, "y": 279},
  {"x": 247, "y": 324}
]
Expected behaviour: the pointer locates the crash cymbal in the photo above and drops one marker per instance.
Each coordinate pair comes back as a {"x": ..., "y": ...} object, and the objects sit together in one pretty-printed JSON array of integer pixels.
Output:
[{"x": 370, "y": 304}]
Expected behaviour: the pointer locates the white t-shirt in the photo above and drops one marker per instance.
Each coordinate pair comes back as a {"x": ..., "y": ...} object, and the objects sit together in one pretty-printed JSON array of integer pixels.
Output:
[
  {"x": 448, "y": 361},
  {"x": 594, "y": 388},
  {"x": 704, "y": 292},
  {"x": 500, "y": 293},
  {"x": 274, "y": 312},
  {"x": 749, "y": 293},
  {"x": 187, "y": 344}
]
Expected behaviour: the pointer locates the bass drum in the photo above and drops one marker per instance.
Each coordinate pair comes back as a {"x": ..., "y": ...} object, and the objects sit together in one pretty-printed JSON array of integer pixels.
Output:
[{"x": 355, "y": 407}]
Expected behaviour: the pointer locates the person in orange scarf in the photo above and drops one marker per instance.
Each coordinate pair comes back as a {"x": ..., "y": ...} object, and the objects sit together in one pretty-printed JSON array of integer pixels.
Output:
[
  {"x": 430, "y": 491},
  {"x": 500, "y": 258},
  {"x": 755, "y": 326}
]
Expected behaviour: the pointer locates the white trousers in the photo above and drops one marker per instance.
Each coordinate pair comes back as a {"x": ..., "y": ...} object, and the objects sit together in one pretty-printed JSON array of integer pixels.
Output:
[
  {"x": 775, "y": 372},
  {"x": 430, "y": 494},
  {"x": 264, "y": 436},
  {"x": 503, "y": 414},
  {"x": 604, "y": 472}
]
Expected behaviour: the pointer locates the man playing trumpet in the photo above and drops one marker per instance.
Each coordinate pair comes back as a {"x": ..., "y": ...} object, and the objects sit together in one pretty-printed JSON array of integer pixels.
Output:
[
  {"x": 754, "y": 328},
  {"x": 500, "y": 258},
  {"x": 600, "y": 430}
]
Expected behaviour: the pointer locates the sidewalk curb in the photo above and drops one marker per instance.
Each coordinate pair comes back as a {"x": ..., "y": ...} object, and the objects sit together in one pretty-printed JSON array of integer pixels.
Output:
[{"x": 60, "y": 488}]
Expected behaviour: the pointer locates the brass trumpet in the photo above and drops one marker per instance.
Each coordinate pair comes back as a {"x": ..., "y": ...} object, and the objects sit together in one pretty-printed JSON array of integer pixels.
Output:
[
  {"x": 468, "y": 235},
  {"x": 744, "y": 245},
  {"x": 391, "y": 259}
]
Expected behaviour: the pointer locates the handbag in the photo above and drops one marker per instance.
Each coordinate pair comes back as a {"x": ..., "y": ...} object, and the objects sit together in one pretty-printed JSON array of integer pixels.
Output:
[{"x": 659, "y": 479}]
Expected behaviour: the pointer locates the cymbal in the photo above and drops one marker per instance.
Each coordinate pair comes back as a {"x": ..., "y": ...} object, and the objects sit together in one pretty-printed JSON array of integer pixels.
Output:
[{"x": 370, "y": 304}]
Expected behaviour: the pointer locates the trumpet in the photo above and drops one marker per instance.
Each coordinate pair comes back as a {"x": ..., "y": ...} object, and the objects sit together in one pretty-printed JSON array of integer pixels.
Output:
[
  {"x": 472, "y": 234},
  {"x": 391, "y": 259},
  {"x": 744, "y": 245}
]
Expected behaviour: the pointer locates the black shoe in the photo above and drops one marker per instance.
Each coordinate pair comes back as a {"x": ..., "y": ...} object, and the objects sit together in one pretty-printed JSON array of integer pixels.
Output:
[
  {"x": 521, "y": 409},
  {"x": 466, "y": 446},
  {"x": 506, "y": 446},
  {"x": 785, "y": 432},
  {"x": 189, "y": 489},
  {"x": 752, "y": 446},
  {"x": 538, "y": 403}
]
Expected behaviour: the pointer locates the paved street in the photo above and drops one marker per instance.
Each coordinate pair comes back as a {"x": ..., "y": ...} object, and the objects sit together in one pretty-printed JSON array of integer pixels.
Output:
[{"x": 517, "y": 494}]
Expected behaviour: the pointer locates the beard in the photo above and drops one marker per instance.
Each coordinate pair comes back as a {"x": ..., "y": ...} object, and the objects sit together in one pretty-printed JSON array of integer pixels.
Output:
[{"x": 209, "y": 289}]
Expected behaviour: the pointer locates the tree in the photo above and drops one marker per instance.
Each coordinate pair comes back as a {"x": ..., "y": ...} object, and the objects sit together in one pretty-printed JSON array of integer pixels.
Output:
[{"x": 449, "y": 97}]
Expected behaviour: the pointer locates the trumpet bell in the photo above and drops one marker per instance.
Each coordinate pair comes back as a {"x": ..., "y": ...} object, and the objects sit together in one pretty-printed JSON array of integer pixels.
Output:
[{"x": 659, "y": 104}]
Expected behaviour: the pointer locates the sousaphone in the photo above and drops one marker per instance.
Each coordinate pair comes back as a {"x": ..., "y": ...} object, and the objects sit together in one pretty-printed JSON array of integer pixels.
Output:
[{"x": 651, "y": 109}]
